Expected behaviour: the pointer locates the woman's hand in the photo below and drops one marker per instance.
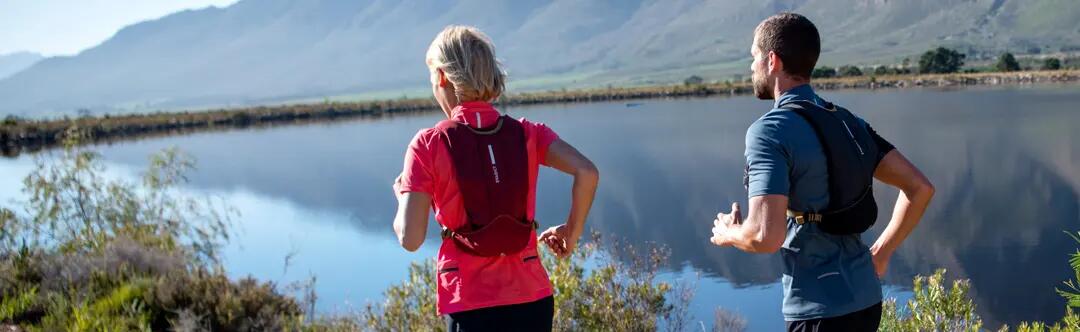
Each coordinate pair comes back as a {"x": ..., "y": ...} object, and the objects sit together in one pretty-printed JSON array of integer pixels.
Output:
[{"x": 560, "y": 240}]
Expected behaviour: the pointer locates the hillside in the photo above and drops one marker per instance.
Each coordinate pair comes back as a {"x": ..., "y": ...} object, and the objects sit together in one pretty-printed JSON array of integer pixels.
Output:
[
  {"x": 16, "y": 62},
  {"x": 265, "y": 51}
]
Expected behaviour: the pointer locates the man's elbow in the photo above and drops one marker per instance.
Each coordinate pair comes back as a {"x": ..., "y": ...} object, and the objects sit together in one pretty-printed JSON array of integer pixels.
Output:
[
  {"x": 767, "y": 247},
  {"x": 925, "y": 190}
]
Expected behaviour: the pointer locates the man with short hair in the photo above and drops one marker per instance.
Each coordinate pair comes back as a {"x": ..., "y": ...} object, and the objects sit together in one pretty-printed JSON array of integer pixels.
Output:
[{"x": 809, "y": 169}]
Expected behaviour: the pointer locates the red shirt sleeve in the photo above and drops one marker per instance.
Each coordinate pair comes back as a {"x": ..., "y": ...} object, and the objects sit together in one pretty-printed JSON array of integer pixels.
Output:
[
  {"x": 544, "y": 136},
  {"x": 417, "y": 174}
]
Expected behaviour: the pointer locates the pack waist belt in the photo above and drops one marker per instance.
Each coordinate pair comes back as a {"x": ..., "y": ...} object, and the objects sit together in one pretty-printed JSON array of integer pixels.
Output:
[
  {"x": 803, "y": 217},
  {"x": 446, "y": 232}
]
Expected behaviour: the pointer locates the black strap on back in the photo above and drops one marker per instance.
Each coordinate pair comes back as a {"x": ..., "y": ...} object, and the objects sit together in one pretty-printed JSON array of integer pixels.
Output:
[{"x": 850, "y": 155}]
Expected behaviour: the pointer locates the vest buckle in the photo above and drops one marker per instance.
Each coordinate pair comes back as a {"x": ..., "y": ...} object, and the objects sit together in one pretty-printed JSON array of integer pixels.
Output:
[{"x": 805, "y": 217}]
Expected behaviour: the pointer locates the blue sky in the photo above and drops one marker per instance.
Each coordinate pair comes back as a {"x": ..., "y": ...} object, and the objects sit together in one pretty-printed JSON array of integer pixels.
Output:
[{"x": 64, "y": 27}]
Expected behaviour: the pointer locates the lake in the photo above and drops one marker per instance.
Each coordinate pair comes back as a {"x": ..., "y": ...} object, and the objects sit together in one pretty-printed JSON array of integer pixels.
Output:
[{"x": 1005, "y": 161}]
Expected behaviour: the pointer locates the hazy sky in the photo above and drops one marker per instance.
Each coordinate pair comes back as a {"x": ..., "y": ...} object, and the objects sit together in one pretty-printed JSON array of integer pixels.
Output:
[{"x": 60, "y": 27}]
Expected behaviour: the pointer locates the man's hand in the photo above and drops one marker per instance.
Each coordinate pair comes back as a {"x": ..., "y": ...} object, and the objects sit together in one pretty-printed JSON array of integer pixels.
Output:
[
  {"x": 560, "y": 240},
  {"x": 725, "y": 223},
  {"x": 881, "y": 260}
]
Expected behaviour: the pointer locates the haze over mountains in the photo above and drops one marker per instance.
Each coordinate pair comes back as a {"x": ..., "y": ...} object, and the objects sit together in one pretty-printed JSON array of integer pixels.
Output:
[
  {"x": 16, "y": 62},
  {"x": 265, "y": 51}
]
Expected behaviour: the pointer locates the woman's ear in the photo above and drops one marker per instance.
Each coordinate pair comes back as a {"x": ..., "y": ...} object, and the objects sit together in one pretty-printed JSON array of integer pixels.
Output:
[{"x": 442, "y": 81}]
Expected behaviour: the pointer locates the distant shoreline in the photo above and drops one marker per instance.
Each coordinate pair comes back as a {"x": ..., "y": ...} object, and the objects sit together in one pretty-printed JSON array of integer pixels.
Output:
[{"x": 19, "y": 136}]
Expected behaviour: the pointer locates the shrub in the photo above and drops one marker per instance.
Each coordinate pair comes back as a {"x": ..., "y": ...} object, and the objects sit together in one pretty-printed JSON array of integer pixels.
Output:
[
  {"x": 408, "y": 306},
  {"x": 1051, "y": 64},
  {"x": 1072, "y": 292},
  {"x": 616, "y": 295},
  {"x": 1007, "y": 62},
  {"x": 726, "y": 321},
  {"x": 823, "y": 72},
  {"x": 694, "y": 80},
  {"x": 74, "y": 207},
  {"x": 933, "y": 307},
  {"x": 612, "y": 296},
  {"x": 92, "y": 253},
  {"x": 11, "y": 120},
  {"x": 241, "y": 118},
  {"x": 1070, "y": 323},
  {"x": 848, "y": 71},
  {"x": 941, "y": 60},
  {"x": 225, "y": 305}
]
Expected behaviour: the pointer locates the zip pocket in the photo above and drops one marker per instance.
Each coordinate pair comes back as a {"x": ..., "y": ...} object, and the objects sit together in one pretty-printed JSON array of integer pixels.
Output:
[{"x": 526, "y": 259}]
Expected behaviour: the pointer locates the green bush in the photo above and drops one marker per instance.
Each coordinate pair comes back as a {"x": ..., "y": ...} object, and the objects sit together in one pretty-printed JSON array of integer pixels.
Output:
[
  {"x": 615, "y": 295},
  {"x": 1072, "y": 292},
  {"x": 933, "y": 307},
  {"x": 618, "y": 294},
  {"x": 92, "y": 253},
  {"x": 887, "y": 70},
  {"x": 225, "y": 305},
  {"x": 10, "y": 120},
  {"x": 1070, "y": 323},
  {"x": 409, "y": 306},
  {"x": 694, "y": 80},
  {"x": 941, "y": 60},
  {"x": 848, "y": 71},
  {"x": 1051, "y": 64},
  {"x": 1007, "y": 62},
  {"x": 823, "y": 72}
]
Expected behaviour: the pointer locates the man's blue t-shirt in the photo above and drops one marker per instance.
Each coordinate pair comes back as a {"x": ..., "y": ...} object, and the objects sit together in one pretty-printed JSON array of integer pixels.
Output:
[{"x": 825, "y": 275}]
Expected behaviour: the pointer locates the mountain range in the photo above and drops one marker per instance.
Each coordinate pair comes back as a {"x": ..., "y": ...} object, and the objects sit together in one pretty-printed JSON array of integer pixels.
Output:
[{"x": 272, "y": 51}]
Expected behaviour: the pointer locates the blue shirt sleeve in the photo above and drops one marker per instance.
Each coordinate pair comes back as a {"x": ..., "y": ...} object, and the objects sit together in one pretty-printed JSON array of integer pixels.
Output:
[
  {"x": 767, "y": 161},
  {"x": 883, "y": 145}
]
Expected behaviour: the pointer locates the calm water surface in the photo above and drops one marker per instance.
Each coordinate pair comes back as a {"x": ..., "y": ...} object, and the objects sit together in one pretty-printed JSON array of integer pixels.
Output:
[{"x": 1005, "y": 162}]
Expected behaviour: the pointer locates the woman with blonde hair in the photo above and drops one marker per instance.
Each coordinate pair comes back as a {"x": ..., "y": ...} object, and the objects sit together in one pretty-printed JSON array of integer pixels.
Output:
[{"x": 478, "y": 170}]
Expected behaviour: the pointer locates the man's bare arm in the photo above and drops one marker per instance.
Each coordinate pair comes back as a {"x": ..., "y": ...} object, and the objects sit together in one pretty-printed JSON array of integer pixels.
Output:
[
  {"x": 915, "y": 194},
  {"x": 763, "y": 231}
]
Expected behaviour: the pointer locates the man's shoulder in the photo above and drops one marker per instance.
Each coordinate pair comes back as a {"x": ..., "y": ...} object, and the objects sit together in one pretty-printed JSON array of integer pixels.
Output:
[{"x": 779, "y": 124}]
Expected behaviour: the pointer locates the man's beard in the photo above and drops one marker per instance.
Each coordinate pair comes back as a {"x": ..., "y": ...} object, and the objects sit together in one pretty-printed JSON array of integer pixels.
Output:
[{"x": 762, "y": 89}]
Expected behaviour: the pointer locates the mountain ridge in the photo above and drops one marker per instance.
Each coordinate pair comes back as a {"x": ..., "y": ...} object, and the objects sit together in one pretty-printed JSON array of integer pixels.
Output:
[{"x": 259, "y": 51}]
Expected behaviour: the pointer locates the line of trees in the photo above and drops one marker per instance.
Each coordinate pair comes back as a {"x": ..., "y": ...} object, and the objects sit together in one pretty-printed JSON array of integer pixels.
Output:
[{"x": 939, "y": 60}]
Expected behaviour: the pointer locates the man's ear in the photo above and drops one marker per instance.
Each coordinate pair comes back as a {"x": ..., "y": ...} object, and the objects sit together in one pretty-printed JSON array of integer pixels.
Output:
[{"x": 775, "y": 64}]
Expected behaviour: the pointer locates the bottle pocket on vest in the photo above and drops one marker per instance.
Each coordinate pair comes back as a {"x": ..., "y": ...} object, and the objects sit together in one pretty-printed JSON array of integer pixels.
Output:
[
  {"x": 851, "y": 157},
  {"x": 491, "y": 168}
]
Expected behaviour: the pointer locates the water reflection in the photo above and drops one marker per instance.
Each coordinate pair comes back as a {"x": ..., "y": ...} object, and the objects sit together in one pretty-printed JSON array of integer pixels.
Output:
[{"x": 1005, "y": 162}]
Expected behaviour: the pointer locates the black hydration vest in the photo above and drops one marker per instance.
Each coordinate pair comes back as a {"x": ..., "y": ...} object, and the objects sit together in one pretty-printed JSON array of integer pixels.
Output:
[{"x": 851, "y": 157}]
